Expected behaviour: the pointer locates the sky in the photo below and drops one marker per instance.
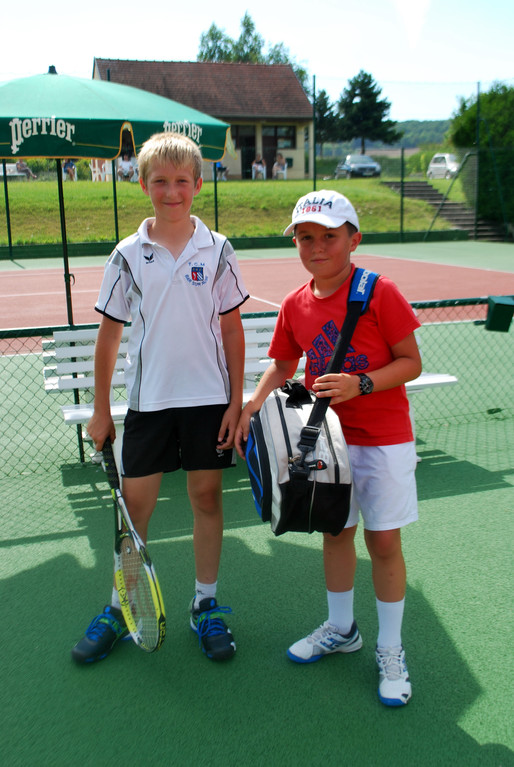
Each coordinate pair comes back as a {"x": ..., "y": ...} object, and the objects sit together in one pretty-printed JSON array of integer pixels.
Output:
[{"x": 425, "y": 55}]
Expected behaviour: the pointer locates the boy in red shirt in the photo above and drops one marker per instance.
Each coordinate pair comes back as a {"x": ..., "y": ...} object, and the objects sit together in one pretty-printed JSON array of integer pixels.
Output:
[{"x": 370, "y": 400}]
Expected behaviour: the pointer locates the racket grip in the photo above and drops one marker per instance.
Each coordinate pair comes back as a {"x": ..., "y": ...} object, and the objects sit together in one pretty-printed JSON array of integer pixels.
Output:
[{"x": 110, "y": 465}]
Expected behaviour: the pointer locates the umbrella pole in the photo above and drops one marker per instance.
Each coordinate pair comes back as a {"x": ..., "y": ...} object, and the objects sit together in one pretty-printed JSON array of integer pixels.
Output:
[
  {"x": 7, "y": 211},
  {"x": 215, "y": 197},
  {"x": 67, "y": 282},
  {"x": 67, "y": 276},
  {"x": 115, "y": 200}
]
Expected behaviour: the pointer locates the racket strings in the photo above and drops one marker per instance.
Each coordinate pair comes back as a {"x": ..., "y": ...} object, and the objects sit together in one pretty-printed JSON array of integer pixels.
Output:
[{"x": 139, "y": 592}]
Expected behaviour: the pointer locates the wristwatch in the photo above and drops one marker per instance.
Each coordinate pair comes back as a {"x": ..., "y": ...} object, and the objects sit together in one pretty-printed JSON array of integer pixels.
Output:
[{"x": 366, "y": 384}]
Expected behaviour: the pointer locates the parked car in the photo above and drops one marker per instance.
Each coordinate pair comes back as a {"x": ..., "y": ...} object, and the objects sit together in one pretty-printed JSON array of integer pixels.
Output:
[
  {"x": 357, "y": 165},
  {"x": 443, "y": 166}
]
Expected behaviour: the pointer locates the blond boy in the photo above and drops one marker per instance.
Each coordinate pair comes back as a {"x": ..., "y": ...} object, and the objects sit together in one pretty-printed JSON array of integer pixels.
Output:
[{"x": 180, "y": 286}]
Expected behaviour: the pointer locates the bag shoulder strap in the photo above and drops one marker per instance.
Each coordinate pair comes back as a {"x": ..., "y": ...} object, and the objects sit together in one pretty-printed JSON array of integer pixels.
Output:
[
  {"x": 362, "y": 287},
  {"x": 359, "y": 296}
]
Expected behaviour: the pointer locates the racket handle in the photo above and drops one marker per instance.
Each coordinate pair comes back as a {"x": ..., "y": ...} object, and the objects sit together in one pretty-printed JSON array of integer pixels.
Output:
[{"x": 110, "y": 465}]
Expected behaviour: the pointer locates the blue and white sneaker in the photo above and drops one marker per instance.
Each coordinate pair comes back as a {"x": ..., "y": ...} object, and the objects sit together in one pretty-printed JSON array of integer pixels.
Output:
[
  {"x": 214, "y": 636},
  {"x": 325, "y": 640},
  {"x": 101, "y": 635},
  {"x": 394, "y": 688}
]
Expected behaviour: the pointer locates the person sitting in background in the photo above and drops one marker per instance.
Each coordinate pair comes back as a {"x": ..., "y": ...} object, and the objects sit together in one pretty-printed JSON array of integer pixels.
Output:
[
  {"x": 259, "y": 166},
  {"x": 222, "y": 171},
  {"x": 22, "y": 167},
  {"x": 69, "y": 170},
  {"x": 125, "y": 168},
  {"x": 279, "y": 166}
]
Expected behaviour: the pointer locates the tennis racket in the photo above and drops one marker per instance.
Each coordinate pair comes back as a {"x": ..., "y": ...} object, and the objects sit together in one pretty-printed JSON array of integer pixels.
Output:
[{"x": 135, "y": 578}]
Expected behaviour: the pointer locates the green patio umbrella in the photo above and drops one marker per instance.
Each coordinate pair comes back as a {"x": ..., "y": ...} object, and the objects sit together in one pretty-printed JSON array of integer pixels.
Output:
[{"x": 58, "y": 116}]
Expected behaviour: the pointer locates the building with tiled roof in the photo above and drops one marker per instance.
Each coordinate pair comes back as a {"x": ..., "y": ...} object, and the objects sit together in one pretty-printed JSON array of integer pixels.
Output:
[{"x": 265, "y": 104}]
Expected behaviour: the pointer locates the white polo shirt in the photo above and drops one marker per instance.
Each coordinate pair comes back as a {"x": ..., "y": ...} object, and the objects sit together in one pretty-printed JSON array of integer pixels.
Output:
[{"x": 175, "y": 356}]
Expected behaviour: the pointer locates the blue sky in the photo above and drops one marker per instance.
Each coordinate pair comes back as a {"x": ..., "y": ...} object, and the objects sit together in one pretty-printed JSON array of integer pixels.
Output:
[{"x": 424, "y": 54}]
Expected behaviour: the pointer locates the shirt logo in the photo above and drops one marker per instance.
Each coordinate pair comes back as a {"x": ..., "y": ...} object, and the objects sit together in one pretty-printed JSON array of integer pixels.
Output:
[
  {"x": 196, "y": 276},
  {"x": 149, "y": 259},
  {"x": 318, "y": 356}
]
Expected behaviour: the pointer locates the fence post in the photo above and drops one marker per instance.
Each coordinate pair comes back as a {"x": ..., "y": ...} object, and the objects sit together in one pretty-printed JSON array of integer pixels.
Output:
[
  {"x": 402, "y": 175},
  {"x": 314, "y": 132}
]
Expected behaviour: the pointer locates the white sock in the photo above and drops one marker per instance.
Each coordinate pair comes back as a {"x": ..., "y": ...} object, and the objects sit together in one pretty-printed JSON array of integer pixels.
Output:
[
  {"x": 340, "y": 609},
  {"x": 203, "y": 590},
  {"x": 115, "y": 598},
  {"x": 390, "y": 617}
]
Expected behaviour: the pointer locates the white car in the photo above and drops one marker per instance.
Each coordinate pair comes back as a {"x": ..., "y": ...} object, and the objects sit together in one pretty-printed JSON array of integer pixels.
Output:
[{"x": 443, "y": 166}]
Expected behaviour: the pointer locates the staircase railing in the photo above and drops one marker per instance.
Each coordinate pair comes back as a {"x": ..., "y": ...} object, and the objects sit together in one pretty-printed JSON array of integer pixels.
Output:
[{"x": 447, "y": 193}]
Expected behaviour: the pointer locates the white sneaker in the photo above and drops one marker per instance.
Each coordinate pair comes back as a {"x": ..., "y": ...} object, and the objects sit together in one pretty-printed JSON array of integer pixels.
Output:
[
  {"x": 325, "y": 640},
  {"x": 394, "y": 688}
]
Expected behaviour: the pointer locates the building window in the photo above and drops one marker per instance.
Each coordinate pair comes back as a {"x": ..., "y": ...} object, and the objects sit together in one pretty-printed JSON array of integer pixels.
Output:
[
  {"x": 284, "y": 135},
  {"x": 241, "y": 134}
]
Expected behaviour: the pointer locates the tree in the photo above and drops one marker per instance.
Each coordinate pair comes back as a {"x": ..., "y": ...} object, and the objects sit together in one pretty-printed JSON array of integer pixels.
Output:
[
  {"x": 490, "y": 118},
  {"x": 248, "y": 47},
  {"x": 327, "y": 122},
  {"x": 496, "y": 117},
  {"x": 215, "y": 45},
  {"x": 363, "y": 114}
]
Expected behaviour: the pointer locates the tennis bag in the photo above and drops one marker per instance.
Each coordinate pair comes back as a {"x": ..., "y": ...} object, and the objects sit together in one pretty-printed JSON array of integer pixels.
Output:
[{"x": 296, "y": 454}]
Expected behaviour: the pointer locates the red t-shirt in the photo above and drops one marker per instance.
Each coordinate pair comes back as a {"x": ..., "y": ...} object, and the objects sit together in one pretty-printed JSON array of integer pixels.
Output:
[{"x": 309, "y": 324}]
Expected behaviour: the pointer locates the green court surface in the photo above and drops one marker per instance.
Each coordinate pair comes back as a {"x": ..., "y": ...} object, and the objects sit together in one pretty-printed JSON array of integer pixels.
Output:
[
  {"x": 178, "y": 708},
  {"x": 175, "y": 708}
]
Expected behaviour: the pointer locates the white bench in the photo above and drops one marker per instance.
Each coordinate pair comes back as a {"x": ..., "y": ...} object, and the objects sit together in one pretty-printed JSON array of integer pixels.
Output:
[
  {"x": 11, "y": 171},
  {"x": 69, "y": 366}
]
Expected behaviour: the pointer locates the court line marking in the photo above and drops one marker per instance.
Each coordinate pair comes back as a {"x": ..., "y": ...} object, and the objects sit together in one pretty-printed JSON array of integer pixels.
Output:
[
  {"x": 431, "y": 263},
  {"x": 264, "y": 301}
]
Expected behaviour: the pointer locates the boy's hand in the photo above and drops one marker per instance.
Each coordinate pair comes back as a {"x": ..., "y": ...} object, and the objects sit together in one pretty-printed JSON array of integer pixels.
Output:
[
  {"x": 339, "y": 386},
  {"x": 99, "y": 428},
  {"x": 228, "y": 427},
  {"x": 243, "y": 429}
]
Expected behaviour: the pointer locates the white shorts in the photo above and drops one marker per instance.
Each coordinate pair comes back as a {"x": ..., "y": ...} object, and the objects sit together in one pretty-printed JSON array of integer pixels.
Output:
[{"x": 384, "y": 486}]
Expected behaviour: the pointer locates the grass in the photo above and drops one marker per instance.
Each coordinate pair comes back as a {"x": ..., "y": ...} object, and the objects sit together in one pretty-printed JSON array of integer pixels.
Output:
[{"x": 245, "y": 209}]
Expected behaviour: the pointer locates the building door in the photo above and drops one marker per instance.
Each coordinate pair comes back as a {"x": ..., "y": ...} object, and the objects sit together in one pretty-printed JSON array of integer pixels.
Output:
[
  {"x": 247, "y": 156},
  {"x": 244, "y": 140},
  {"x": 269, "y": 151}
]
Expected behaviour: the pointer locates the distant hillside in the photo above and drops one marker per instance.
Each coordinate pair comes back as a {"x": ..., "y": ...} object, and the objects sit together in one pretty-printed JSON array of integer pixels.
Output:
[
  {"x": 416, "y": 133},
  {"x": 419, "y": 132}
]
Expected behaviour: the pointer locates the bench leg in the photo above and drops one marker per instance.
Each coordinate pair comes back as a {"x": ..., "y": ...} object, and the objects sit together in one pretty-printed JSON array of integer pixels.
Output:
[{"x": 80, "y": 441}]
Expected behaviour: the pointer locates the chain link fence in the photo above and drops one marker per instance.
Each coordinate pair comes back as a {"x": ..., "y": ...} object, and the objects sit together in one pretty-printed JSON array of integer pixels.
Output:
[{"x": 453, "y": 339}]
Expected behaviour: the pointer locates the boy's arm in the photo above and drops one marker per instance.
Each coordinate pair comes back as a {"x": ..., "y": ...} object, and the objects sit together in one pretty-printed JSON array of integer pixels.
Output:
[
  {"x": 108, "y": 340},
  {"x": 405, "y": 366},
  {"x": 274, "y": 376},
  {"x": 232, "y": 335}
]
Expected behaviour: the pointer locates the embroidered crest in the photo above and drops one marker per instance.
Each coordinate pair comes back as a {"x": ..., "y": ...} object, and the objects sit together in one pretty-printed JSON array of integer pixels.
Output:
[{"x": 197, "y": 276}]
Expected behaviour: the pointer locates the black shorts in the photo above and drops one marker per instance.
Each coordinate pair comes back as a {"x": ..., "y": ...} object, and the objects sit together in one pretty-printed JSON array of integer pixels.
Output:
[{"x": 167, "y": 440}]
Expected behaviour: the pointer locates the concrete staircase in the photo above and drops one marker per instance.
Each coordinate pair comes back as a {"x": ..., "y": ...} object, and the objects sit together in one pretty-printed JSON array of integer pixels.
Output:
[{"x": 461, "y": 216}]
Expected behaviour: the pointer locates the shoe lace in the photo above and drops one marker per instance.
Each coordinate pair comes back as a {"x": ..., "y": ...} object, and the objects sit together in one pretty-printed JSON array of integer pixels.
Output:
[
  {"x": 323, "y": 632},
  {"x": 391, "y": 664},
  {"x": 101, "y": 624},
  {"x": 210, "y": 622}
]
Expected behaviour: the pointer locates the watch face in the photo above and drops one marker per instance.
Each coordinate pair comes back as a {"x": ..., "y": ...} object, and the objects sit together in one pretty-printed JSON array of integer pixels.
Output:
[{"x": 366, "y": 384}]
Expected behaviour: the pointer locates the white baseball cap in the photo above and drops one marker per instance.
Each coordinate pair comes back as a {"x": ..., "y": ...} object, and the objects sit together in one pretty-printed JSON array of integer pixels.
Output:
[{"x": 325, "y": 207}]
